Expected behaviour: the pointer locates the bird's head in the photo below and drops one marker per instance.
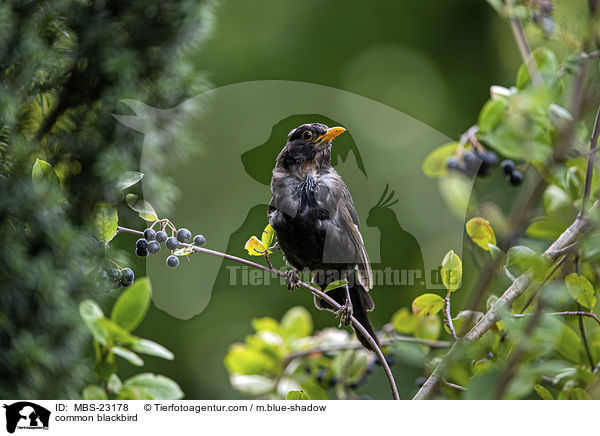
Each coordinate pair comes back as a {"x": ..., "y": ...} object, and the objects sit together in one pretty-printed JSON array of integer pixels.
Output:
[{"x": 308, "y": 146}]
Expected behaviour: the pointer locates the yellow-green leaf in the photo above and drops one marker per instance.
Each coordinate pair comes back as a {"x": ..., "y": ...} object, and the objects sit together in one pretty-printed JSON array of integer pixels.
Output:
[
  {"x": 255, "y": 247},
  {"x": 106, "y": 222},
  {"x": 268, "y": 235},
  {"x": 427, "y": 304},
  {"x": 543, "y": 392},
  {"x": 334, "y": 285},
  {"x": 142, "y": 207},
  {"x": 434, "y": 164},
  {"x": 451, "y": 271},
  {"x": 481, "y": 232},
  {"x": 42, "y": 170},
  {"x": 404, "y": 321},
  {"x": 581, "y": 290}
]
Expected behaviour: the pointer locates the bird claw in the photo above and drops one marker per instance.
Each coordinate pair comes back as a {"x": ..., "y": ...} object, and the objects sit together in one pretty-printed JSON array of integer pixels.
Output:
[
  {"x": 345, "y": 313},
  {"x": 291, "y": 279}
]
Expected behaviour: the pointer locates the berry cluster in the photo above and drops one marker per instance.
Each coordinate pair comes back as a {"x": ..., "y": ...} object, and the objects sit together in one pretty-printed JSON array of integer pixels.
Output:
[
  {"x": 150, "y": 243},
  {"x": 514, "y": 176},
  {"x": 118, "y": 277},
  {"x": 481, "y": 163},
  {"x": 474, "y": 163}
]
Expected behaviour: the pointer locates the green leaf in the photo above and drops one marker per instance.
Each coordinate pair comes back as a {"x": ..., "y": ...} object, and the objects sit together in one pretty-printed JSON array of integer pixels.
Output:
[
  {"x": 128, "y": 355},
  {"x": 296, "y": 395},
  {"x": 543, "y": 392},
  {"x": 575, "y": 182},
  {"x": 151, "y": 348},
  {"x": 558, "y": 205},
  {"x": 134, "y": 393},
  {"x": 244, "y": 360},
  {"x": 581, "y": 290},
  {"x": 94, "y": 392},
  {"x": 569, "y": 345},
  {"x": 129, "y": 178},
  {"x": 314, "y": 390},
  {"x": 481, "y": 232},
  {"x": 131, "y": 307},
  {"x": 404, "y": 321},
  {"x": 142, "y": 207},
  {"x": 265, "y": 324},
  {"x": 434, "y": 164},
  {"x": 579, "y": 394},
  {"x": 114, "y": 383},
  {"x": 159, "y": 386},
  {"x": 91, "y": 313},
  {"x": 428, "y": 327},
  {"x": 491, "y": 114},
  {"x": 525, "y": 258},
  {"x": 116, "y": 333},
  {"x": 106, "y": 222},
  {"x": 451, "y": 271},
  {"x": 184, "y": 251},
  {"x": 547, "y": 66},
  {"x": 427, "y": 304},
  {"x": 296, "y": 323},
  {"x": 268, "y": 235},
  {"x": 334, "y": 285},
  {"x": 252, "y": 384},
  {"x": 43, "y": 171},
  {"x": 543, "y": 227}
]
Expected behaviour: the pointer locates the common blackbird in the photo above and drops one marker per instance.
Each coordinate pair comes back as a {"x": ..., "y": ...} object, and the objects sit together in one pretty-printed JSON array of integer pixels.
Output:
[{"x": 313, "y": 214}]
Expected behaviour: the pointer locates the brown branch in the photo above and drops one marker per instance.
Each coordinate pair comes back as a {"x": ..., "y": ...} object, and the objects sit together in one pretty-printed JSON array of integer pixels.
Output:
[
  {"x": 523, "y": 45},
  {"x": 565, "y": 313},
  {"x": 315, "y": 291},
  {"x": 516, "y": 289}
]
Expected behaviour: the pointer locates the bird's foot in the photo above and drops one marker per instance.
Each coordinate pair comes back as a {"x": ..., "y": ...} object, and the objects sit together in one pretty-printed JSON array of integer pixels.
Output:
[
  {"x": 345, "y": 313},
  {"x": 292, "y": 279}
]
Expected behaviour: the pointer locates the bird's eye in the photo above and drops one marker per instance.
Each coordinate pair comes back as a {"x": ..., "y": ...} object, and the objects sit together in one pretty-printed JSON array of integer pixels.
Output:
[{"x": 307, "y": 135}]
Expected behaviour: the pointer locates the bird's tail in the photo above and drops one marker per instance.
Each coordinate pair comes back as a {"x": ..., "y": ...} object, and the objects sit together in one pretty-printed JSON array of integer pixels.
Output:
[{"x": 361, "y": 304}]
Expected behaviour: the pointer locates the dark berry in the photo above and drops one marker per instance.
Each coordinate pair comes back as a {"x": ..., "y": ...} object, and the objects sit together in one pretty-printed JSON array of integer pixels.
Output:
[
  {"x": 389, "y": 358},
  {"x": 149, "y": 234},
  {"x": 332, "y": 382},
  {"x": 126, "y": 276},
  {"x": 472, "y": 163},
  {"x": 114, "y": 275},
  {"x": 321, "y": 375},
  {"x": 141, "y": 252},
  {"x": 141, "y": 244},
  {"x": 419, "y": 382},
  {"x": 172, "y": 243},
  {"x": 489, "y": 158},
  {"x": 161, "y": 236},
  {"x": 508, "y": 166},
  {"x": 173, "y": 261},
  {"x": 184, "y": 235},
  {"x": 452, "y": 163},
  {"x": 153, "y": 247},
  {"x": 199, "y": 240},
  {"x": 516, "y": 178},
  {"x": 484, "y": 170}
]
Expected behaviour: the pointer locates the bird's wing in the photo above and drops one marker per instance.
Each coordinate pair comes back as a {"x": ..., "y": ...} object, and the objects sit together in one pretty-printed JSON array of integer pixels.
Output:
[
  {"x": 350, "y": 219},
  {"x": 350, "y": 224}
]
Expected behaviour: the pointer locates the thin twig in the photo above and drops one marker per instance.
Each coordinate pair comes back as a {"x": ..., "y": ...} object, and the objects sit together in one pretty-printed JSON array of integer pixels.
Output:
[
  {"x": 524, "y": 49},
  {"x": 584, "y": 339},
  {"x": 516, "y": 289},
  {"x": 564, "y": 313},
  {"x": 448, "y": 317},
  {"x": 315, "y": 291},
  {"x": 590, "y": 164}
]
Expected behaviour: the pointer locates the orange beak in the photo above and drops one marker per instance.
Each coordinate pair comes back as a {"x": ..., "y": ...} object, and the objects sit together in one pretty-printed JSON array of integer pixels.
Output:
[{"x": 330, "y": 134}]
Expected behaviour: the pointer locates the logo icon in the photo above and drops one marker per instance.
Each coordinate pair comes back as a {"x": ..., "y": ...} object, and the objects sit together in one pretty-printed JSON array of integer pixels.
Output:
[{"x": 26, "y": 415}]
